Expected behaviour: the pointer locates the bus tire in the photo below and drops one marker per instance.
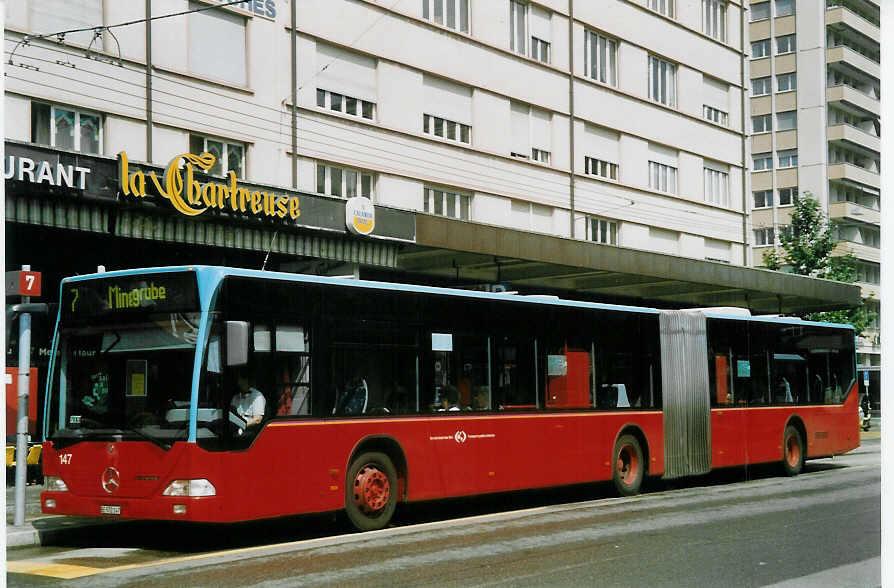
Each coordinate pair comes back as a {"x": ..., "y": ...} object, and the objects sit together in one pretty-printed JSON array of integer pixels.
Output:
[
  {"x": 371, "y": 491},
  {"x": 628, "y": 467},
  {"x": 792, "y": 451}
]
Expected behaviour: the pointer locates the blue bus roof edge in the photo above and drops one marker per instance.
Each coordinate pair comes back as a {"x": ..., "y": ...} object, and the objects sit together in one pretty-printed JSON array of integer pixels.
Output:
[{"x": 220, "y": 272}]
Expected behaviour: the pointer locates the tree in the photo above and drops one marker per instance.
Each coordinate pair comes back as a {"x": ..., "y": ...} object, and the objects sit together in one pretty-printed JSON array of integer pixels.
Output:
[{"x": 807, "y": 246}]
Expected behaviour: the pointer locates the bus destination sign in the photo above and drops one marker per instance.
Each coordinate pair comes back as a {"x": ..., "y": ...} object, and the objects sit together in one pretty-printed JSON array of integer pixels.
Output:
[{"x": 156, "y": 292}]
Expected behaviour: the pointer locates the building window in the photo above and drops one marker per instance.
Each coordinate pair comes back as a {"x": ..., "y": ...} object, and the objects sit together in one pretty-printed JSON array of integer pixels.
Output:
[
  {"x": 716, "y": 187},
  {"x": 762, "y": 161},
  {"x": 518, "y": 26},
  {"x": 760, "y": 11},
  {"x": 210, "y": 57},
  {"x": 788, "y": 158},
  {"x": 446, "y": 203},
  {"x": 785, "y": 7},
  {"x": 453, "y": 14},
  {"x": 228, "y": 156},
  {"x": 760, "y": 86},
  {"x": 345, "y": 104},
  {"x": 601, "y": 230},
  {"x": 762, "y": 123},
  {"x": 540, "y": 155},
  {"x": 662, "y": 177},
  {"x": 714, "y": 19},
  {"x": 600, "y": 58},
  {"x": 787, "y": 196},
  {"x": 598, "y": 167},
  {"x": 446, "y": 129},
  {"x": 760, "y": 49},
  {"x": 344, "y": 182},
  {"x": 66, "y": 128},
  {"x": 785, "y": 44},
  {"x": 716, "y": 115},
  {"x": 868, "y": 273},
  {"x": 665, "y": 7},
  {"x": 662, "y": 81},
  {"x": 764, "y": 236},
  {"x": 786, "y": 121},
  {"x": 763, "y": 199},
  {"x": 786, "y": 82},
  {"x": 540, "y": 49},
  {"x": 531, "y": 132}
]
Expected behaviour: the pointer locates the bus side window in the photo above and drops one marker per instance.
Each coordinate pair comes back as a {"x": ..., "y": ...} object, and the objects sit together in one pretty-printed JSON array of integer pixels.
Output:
[
  {"x": 292, "y": 371},
  {"x": 515, "y": 385},
  {"x": 458, "y": 372}
]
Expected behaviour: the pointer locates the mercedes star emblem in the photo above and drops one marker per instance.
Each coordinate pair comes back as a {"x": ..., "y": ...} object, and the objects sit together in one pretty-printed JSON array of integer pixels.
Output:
[{"x": 111, "y": 480}]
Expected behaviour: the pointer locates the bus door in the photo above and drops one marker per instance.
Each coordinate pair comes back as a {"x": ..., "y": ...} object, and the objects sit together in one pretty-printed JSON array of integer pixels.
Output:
[
  {"x": 685, "y": 394},
  {"x": 730, "y": 384}
]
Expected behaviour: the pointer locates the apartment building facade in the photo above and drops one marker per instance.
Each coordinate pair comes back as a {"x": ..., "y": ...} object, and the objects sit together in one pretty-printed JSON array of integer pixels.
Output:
[
  {"x": 620, "y": 126},
  {"x": 815, "y": 123}
]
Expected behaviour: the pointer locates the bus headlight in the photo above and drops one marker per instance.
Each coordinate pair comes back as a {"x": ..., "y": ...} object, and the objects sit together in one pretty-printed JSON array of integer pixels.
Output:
[
  {"x": 54, "y": 484},
  {"x": 200, "y": 487}
]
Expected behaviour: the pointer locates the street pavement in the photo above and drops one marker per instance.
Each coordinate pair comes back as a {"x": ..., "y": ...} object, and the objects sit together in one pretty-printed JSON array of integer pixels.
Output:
[{"x": 40, "y": 529}]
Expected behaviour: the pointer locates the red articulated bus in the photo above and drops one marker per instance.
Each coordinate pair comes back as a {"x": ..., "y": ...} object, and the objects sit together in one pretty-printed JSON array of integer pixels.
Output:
[{"x": 220, "y": 395}]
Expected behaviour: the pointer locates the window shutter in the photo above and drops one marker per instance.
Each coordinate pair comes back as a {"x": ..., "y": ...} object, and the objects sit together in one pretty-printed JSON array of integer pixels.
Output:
[
  {"x": 448, "y": 100},
  {"x": 346, "y": 72},
  {"x": 601, "y": 144},
  {"x": 716, "y": 94},
  {"x": 540, "y": 26},
  {"x": 521, "y": 129},
  {"x": 541, "y": 134},
  {"x": 207, "y": 54}
]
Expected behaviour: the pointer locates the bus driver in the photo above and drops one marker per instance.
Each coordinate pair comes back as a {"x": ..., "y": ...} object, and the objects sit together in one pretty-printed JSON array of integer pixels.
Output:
[{"x": 249, "y": 403}]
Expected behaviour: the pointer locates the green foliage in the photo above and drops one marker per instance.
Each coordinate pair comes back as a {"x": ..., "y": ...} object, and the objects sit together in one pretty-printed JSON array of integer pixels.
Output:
[{"x": 807, "y": 250}]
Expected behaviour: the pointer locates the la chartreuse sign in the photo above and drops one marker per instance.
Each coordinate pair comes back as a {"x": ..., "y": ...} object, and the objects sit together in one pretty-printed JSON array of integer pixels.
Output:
[{"x": 190, "y": 197}]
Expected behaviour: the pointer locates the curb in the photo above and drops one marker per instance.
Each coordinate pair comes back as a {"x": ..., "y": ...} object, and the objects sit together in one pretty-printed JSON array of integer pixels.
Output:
[{"x": 49, "y": 529}]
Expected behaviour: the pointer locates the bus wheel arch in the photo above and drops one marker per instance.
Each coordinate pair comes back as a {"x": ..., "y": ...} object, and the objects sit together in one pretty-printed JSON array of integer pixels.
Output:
[
  {"x": 390, "y": 447},
  {"x": 375, "y": 481},
  {"x": 794, "y": 446},
  {"x": 629, "y": 460}
]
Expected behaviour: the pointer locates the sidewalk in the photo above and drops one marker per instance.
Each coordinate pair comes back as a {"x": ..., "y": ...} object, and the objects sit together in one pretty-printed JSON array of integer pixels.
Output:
[{"x": 40, "y": 528}]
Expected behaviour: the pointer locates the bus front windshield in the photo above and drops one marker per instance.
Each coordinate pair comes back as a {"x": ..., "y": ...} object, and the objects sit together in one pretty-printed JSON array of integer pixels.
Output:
[{"x": 124, "y": 381}]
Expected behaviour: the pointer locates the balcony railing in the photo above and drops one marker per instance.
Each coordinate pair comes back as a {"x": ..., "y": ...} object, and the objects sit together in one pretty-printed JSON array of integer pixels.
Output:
[{"x": 858, "y": 98}]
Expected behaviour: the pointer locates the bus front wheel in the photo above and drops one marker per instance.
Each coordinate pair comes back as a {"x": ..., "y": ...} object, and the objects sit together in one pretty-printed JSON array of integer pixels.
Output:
[
  {"x": 628, "y": 466},
  {"x": 371, "y": 491},
  {"x": 792, "y": 451}
]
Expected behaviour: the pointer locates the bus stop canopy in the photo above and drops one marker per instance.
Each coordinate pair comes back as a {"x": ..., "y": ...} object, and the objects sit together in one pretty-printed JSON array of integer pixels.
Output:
[{"x": 487, "y": 254}]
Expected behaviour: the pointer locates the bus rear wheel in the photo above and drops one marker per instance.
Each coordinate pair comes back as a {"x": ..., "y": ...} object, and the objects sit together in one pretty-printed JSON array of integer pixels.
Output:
[
  {"x": 628, "y": 466},
  {"x": 792, "y": 451},
  {"x": 371, "y": 491}
]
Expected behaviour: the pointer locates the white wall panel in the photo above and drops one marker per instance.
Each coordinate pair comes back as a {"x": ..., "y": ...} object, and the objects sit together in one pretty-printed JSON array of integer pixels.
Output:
[
  {"x": 121, "y": 134},
  {"x": 491, "y": 122},
  {"x": 17, "y": 117},
  {"x": 401, "y": 101},
  {"x": 399, "y": 192}
]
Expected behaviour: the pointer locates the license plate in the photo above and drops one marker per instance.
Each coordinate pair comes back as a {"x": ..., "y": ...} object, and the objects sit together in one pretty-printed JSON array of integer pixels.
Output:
[{"x": 110, "y": 509}]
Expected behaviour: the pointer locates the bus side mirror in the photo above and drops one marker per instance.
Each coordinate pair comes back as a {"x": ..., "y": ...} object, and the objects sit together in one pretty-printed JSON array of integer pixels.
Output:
[{"x": 237, "y": 342}]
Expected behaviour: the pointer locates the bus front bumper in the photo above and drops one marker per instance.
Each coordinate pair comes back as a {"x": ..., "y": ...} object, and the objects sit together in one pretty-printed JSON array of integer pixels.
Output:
[{"x": 167, "y": 508}]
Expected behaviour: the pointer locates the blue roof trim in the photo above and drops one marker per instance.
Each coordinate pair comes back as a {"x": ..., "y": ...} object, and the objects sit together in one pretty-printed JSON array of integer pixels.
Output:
[
  {"x": 778, "y": 320},
  {"x": 211, "y": 276}
]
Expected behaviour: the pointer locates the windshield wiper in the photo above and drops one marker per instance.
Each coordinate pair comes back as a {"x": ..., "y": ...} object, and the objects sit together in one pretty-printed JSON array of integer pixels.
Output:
[{"x": 150, "y": 438}]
